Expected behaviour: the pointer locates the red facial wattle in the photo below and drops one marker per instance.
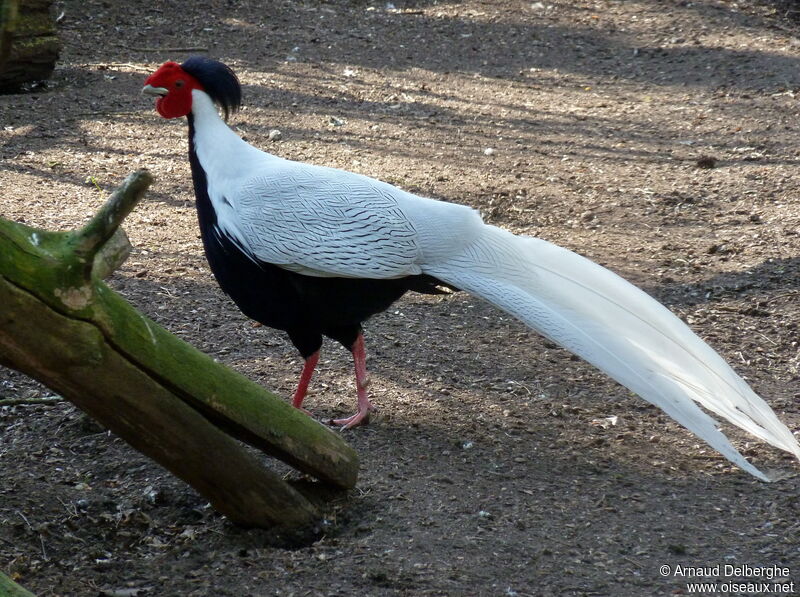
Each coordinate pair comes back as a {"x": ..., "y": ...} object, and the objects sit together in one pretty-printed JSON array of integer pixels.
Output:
[
  {"x": 159, "y": 106},
  {"x": 173, "y": 87}
]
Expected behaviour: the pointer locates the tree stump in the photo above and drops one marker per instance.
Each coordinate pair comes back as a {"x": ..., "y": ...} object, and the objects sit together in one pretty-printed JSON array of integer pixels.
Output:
[{"x": 29, "y": 45}]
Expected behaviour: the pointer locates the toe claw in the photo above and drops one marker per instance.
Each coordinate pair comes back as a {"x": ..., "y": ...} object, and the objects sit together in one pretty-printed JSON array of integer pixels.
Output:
[{"x": 360, "y": 418}]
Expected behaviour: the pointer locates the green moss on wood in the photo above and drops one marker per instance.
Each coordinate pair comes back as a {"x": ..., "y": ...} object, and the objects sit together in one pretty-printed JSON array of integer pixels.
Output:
[
  {"x": 94, "y": 331},
  {"x": 8, "y": 588},
  {"x": 44, "y": 262},
  {"x": 79, "y": 363}
]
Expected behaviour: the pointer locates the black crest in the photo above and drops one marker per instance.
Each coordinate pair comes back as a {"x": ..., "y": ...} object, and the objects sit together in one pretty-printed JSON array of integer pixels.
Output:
[{"x": 219, "y": 81}]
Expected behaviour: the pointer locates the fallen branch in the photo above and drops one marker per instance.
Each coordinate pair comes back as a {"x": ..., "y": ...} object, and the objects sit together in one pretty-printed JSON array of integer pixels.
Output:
[
  {"x": 166, "y": 49},
  {"x": 101, "y": 244},
  {"x": 25, "y": 401},
  {"x": 63, "y": 326}
]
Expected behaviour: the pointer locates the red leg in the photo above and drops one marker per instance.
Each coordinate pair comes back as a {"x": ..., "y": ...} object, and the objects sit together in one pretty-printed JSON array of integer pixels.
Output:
[
  {"x": 362, "y": 381},
  {"x": 305, "y": 378}
]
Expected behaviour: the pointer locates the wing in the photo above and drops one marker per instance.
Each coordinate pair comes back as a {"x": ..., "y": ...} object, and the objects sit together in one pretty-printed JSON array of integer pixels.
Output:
[{"x": 327, "y": 222}]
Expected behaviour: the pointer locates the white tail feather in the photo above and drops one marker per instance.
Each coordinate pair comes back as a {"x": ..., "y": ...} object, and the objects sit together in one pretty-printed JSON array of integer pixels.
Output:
[{"x": 620, "y": 329}]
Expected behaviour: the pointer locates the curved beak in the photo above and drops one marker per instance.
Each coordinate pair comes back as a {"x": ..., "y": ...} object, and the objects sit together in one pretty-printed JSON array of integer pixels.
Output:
[{"x": 157, "y": 91}]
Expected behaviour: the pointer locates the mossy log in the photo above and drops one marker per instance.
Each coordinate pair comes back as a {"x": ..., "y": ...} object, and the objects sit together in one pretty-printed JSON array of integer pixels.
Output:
[
  {"x": 29, "y": 45},
  {"x": 63, "y": 326},
  {"x": 8, "y": 588}
]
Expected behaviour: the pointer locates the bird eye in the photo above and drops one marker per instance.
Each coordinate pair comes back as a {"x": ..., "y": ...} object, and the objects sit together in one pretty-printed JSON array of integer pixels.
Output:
[{"x": 179, "y": 83}]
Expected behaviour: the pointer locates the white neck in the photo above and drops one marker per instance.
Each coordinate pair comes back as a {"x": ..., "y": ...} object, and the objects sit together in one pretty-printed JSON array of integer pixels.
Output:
[
  {"x": 225, "y": 157},
  {"x": 228, "y": 162}
]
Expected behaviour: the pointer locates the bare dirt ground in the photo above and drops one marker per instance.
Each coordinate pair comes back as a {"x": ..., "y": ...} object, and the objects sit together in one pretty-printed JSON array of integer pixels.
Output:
[{"x": 660, "y": 138}]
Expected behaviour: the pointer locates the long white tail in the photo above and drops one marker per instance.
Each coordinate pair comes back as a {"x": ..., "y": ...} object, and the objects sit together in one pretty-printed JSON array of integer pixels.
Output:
[{"x": 618, "y": 328}]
